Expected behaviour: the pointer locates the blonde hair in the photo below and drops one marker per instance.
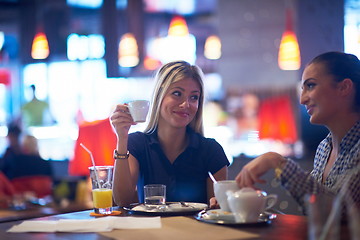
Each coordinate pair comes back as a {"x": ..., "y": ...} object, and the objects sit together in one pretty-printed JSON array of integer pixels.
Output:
[{"x": 168, "y": 74}]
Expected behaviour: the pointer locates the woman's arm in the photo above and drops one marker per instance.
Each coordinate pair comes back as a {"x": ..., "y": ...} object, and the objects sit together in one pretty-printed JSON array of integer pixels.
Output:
[
  {"x": 252, "y": 172},
  {"x": 126, "y": 170},
  {"x": 126, "y": 173}
]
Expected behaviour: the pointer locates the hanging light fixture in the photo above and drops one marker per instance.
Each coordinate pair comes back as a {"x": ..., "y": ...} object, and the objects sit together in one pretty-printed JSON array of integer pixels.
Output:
[
  {"x": 151, "y": 63},
  {"x": 40, "y": 46},
  {"x": 212, "y": 48},
  {"x": 289, "y": 52},
  {"x": 128, "y": 51},
  {"x": 178, "y": 27}
]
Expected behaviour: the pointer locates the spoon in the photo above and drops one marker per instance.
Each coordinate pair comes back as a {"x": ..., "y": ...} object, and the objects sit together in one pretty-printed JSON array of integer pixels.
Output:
[
  {"x": 212, "y": 177},
  {"x": 184, "y": 204}
]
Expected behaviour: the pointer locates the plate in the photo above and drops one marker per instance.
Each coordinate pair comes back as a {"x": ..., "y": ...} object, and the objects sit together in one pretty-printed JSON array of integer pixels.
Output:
[
  {"x": 170, "y": 209},
  {"x": 227, "y": 218}
]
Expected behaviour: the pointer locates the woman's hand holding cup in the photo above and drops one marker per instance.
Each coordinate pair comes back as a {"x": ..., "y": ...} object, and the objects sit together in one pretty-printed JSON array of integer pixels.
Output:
[{"x": 129, "y": 114}]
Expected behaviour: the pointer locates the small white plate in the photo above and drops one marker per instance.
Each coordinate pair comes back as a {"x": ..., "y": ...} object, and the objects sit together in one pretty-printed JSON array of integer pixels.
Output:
[
  {"x": 186, "y": 206},
  {"x": 170, "y": 209}
]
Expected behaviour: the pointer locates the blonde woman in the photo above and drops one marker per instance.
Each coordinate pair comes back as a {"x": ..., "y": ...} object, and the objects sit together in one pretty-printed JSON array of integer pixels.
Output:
[{"x": 172, "y": 150}]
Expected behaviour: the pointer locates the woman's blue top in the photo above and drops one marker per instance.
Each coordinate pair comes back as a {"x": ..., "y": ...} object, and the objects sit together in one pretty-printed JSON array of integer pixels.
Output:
[{"x": 186, "y": 178}]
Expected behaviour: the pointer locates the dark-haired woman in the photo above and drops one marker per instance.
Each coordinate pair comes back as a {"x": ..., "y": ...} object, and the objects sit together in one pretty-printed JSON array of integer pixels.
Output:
[{"x": 330, "y": 93}]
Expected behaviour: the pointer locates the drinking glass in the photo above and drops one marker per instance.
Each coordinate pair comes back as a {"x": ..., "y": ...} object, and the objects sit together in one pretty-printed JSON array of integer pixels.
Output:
[
  {"x": 323, "y": 222},
  {"x": 101, "y": 178},
  {"x": 155, "y": 195}
]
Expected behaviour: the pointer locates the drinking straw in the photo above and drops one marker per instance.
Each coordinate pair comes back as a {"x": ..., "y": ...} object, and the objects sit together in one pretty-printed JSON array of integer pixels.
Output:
[
  {"x": 93, "y": 163},
  {"x": 212, "y": 177}
]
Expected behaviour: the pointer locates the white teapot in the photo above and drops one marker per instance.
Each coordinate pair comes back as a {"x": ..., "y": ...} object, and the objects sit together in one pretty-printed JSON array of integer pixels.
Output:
[{"x": 247, "y": 204}]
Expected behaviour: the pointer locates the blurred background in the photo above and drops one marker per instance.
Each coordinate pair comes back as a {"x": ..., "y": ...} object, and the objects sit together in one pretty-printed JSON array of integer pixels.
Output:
[{"x": 82, "y": 57}]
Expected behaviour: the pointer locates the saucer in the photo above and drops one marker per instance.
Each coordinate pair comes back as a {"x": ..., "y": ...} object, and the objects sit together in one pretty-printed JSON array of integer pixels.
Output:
[{"x": 216, "y": 216}]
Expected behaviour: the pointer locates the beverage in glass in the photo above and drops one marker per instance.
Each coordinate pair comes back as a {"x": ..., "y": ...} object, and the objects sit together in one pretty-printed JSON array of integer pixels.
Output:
[
  {"x": 155, "y": 195},
  {"x": 101, "y": 178}
]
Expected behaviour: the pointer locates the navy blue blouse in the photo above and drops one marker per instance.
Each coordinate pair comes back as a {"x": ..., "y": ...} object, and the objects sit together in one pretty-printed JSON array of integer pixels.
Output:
[{"x": 186, "y": 178}]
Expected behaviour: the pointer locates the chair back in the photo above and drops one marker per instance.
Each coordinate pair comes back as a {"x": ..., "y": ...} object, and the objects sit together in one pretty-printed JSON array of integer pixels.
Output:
[{"x": 40, "y": 185}]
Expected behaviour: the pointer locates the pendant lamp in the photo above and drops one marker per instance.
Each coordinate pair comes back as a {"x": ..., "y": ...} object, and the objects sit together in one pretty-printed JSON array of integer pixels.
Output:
[
  {"x": 289, "y": 52},
  {"x": 128, "y": 51},
  {"x": 151, "y": 63},
  {"x": 178, "y": 27},
  {"x": 40, "y": 46},
  {"x": 212, "y": 48}
]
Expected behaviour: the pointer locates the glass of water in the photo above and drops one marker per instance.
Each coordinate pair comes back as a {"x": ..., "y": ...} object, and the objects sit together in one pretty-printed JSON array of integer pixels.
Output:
[{"x": 155, "y": 195}]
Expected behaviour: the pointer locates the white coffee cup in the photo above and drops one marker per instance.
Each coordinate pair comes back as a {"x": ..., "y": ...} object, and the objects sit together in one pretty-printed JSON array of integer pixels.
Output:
[
  {"x": 220, "y": 189},
  {"x": 247, "y": 204},
  {"x": 139, "y": 110}
]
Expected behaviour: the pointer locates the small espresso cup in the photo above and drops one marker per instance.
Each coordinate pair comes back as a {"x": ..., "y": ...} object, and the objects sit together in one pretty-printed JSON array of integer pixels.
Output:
[
  {"x": 139, "y": 110},
  {"x": 247, "y": 204},
  {"x": 220, "y": 189}
]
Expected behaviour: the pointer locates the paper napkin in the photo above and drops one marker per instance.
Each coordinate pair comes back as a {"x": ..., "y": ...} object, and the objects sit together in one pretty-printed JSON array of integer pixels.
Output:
[{"x": 104, "y": 224}]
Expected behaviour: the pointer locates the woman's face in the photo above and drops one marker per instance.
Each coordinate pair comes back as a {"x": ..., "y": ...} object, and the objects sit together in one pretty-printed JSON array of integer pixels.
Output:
[
  {"x": 319, "y": 94},
  {"x": 180, "y": 103}
]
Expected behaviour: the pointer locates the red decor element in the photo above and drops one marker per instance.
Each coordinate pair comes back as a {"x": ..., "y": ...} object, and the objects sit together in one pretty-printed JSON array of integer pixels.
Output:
[
  {"x": 277, "y": 121},
  {"x": 6, "y": 187},
  {"x": 4, "y": 76},
  {"x": 99, "y": 138}
]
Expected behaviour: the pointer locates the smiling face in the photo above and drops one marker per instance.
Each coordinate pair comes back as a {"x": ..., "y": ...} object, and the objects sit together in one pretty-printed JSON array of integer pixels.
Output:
[
  {"x": 180, "y": 104},
  {"x": 320, "y": 94}
]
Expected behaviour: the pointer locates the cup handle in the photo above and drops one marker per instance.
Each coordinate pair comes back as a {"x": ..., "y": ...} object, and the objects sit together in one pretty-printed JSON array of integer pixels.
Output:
[{"x": 271, "y": 200}]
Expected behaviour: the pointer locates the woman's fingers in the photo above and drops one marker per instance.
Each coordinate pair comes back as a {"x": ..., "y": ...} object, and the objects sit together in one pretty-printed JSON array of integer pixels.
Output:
[
  {"x": 121, "y": 114},
  {"x": 213, "y": 203},
  {"x": 248, "y": 178},
  {"x": 121, "y": 120},
  {"x": 122, "y": 109}
]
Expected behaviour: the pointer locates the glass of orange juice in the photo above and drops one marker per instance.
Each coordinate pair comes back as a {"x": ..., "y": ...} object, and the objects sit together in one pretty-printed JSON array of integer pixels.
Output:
[{"x": 101, "y": 179}]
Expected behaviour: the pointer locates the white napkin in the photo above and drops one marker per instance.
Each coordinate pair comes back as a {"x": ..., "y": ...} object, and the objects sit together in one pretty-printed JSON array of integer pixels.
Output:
[{"x": 104, "y": 224}]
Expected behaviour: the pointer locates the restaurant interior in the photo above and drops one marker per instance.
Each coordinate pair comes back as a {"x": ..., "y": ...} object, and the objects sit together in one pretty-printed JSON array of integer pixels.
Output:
[{"x": 86, "y": 56}]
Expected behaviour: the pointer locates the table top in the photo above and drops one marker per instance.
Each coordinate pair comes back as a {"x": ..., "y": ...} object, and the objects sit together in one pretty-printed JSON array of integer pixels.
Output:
[
  {"x": 283, "y": 227},
  {"x": 35, "y": 211}
]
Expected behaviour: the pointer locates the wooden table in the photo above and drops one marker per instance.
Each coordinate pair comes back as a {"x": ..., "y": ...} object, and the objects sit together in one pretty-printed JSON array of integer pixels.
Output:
[
  {"x": 284, "y": 227},
  {"x": 35, "y": 211}
]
